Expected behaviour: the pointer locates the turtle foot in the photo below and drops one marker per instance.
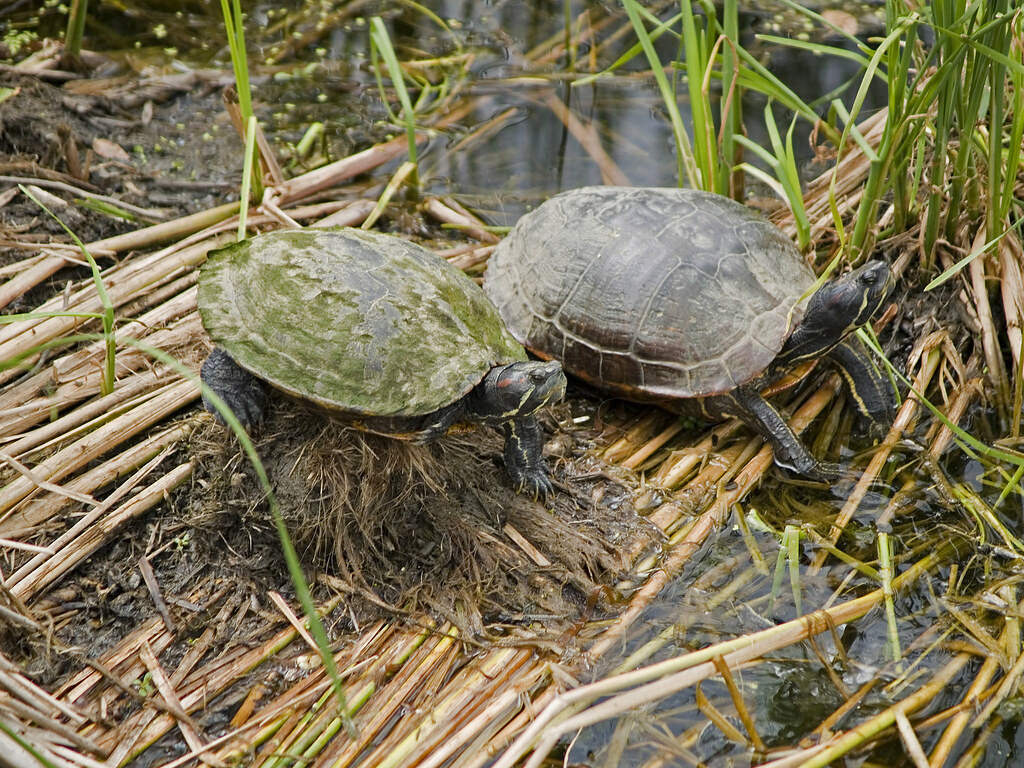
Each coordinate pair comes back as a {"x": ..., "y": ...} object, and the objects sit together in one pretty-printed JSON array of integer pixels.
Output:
[
  {"x": 536, "y": 485},
  {"x": 826, "y": 472},
  {"x": 430, "y": 434},
  {"x": 242, "y": 392},
  {"x": 524, "y": 449},
  {"x": 822, "y": 471}
]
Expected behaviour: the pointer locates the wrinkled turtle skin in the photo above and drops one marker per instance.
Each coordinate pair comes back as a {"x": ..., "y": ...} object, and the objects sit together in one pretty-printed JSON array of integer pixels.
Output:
[
  {"x": 373, "y": 328},
  {"x": 686, "y": 299}
]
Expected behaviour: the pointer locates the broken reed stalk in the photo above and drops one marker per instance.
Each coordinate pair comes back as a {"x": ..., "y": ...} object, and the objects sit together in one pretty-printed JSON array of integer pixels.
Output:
[
  {"x": 385, "y": 647},
  {"x": 196, "y": 686},
  {"x": 39, "y": 718},
  {"x": 81, "y": 539},
  {"x": 979, "y": 279},
  {"x": 451, "y": 213},
  {"x": 331, "y": 175},
  {"x": 959, "y": 722},
  {"x": 15, "y": 514}
]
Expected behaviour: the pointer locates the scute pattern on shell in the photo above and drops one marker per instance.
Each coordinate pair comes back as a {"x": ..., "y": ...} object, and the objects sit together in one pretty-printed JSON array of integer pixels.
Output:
[
  {"x": 650, "y": 292},
  {"x": 357, "y": 321}
]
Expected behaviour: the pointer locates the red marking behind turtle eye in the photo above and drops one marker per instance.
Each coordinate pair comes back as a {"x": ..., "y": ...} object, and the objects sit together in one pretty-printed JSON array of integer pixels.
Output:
[
  {"x": 839, "y": 298},
  {"x": 504, "y": 381}
]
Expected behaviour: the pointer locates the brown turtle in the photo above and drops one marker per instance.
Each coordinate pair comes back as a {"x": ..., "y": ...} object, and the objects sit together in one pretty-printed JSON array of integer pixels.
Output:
[{"x": 686, "y": 299}]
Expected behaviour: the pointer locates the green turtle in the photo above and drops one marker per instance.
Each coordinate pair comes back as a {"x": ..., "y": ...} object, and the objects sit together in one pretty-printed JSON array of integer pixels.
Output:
[{"x": 376, "y": 329}]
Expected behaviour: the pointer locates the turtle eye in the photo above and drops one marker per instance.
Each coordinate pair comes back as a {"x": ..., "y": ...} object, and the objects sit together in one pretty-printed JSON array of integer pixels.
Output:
[
  {"x": 537, "y": 377},
  {"x": 870, "y": 278}
]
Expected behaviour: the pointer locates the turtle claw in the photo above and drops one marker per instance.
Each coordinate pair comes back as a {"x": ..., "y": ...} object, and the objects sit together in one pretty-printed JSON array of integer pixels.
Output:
[
  {"x": 826, "y": 472},
  {"x": 807, "y": 466},
  {"x": 536, "y": 485},
  {"x": 248, "y": 408},
  {"x": 819, "y": 471}
]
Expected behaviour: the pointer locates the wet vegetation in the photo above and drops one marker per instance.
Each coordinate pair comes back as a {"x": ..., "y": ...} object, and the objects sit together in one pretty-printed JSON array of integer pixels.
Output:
[{"x": 171, "y": 593}]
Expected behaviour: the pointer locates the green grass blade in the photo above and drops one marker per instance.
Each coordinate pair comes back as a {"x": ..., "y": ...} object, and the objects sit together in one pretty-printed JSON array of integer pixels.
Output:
[
  {"x": 380, "y": 44},
  {"x": 30, "y": 748},
  {"x": 885, "y": 568},
  {"x": 75, "y": 33},
  {"x": 107, "y": 385},
  {"x": 791, "y": 541},
  {"x": 821, "y": 49},
  {"x": 234, "y": 27},
  {"x": 247, "y": 175},
  {"x": 705, "y": 149}
]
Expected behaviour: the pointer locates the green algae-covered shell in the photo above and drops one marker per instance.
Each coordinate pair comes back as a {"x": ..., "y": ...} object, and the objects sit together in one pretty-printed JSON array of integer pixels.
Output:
[
  {"x": 650, "y": 292},
  {"x": 356, "y": 321}
]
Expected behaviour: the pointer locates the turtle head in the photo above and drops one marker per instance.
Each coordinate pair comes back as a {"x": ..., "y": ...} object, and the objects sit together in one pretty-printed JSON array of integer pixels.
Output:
[
  {"x": 836, "y": 310},
  {"x": 517, "y": 389}
]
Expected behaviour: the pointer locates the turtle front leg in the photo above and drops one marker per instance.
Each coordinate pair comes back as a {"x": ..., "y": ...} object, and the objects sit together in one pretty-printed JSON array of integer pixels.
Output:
[
  {"x": 524, "y": 457},
  {"x": 748, "y": 405},
  {"x": 436, "y": 425},
  {"x": 242, "y": 392},
  {"x": 868, "y": 386}
]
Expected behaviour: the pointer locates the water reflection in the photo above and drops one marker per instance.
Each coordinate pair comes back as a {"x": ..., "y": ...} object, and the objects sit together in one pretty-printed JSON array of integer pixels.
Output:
[
  {"x": 616, "y": 130},
  {"x": 311, "y": 62}
]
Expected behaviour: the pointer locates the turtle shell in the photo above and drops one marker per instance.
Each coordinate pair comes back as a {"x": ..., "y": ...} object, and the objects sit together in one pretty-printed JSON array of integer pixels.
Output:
[
  {"x": 650, "y": 293},
  {"x": 355, "y": 321}
]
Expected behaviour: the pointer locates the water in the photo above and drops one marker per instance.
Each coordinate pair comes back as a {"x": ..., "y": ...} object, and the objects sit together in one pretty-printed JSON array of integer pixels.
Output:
[
  {"x": 531, "y": 153},
  {"x": 311, "y": 61}
]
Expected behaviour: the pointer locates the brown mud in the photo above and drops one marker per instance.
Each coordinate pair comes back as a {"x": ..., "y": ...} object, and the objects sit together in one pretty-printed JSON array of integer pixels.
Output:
[{"x": 137, "y": 147}]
